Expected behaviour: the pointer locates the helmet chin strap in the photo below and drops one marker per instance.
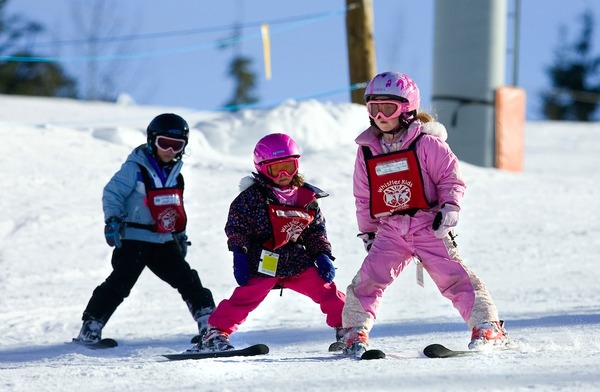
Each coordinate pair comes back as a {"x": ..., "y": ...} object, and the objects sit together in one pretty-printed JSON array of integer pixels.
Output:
[{"x": 396, "y": 130}]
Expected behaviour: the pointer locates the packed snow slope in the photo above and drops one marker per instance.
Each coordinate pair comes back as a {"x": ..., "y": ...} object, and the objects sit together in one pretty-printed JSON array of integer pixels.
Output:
[{"x": 532, "y": 236}]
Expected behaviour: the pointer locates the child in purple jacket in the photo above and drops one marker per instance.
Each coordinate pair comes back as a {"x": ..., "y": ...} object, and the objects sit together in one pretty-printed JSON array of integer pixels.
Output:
[
  {"x": 276, "y": 232},
  {"x": 408, "y": 191}
]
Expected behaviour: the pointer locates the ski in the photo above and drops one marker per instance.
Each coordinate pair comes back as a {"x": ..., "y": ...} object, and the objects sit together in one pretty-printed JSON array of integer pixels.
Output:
[
  {"x": 372, "y": 354},
  {"x": 440, "y": 351},
  {"x": 336, "y": 346},
  {"x": 257, "y": 349},
  {"x": 102, "y": 344}
]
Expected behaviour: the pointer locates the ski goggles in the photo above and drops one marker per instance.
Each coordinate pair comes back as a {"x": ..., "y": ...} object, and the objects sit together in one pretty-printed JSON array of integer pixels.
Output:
[
  {"x": 387, "y": 109},
  {"x": 168, "y": 143},
  {"x": 277, "y": 169}
]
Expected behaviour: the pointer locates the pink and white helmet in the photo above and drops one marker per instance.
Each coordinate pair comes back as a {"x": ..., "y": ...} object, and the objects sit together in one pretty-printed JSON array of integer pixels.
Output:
[
  {"x": 274, "y": 147},
  {"x": 394, "y": 85}
]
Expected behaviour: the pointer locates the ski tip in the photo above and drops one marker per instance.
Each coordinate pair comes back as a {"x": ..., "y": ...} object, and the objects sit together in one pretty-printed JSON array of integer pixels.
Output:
[
  {"x": 108, "y": 342},
  {"x": 440, "y": 351},
  {"x": 372, "y": 354},
  {"x": 435, "y": 351},
  {"x": 261, "y": 348},
  {"x": 336, "y": 346}
]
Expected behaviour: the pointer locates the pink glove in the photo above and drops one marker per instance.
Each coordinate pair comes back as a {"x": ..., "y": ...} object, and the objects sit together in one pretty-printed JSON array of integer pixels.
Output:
[{"x": 445, "y": 219}]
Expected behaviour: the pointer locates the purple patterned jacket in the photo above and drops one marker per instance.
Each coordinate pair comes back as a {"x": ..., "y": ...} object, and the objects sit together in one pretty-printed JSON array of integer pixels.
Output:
[{"x": 248, "y": 226}]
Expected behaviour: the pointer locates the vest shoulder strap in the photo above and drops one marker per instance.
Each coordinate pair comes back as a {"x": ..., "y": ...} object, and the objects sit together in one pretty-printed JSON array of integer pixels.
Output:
[
  {"x": 369, "y": 154},
  {"x": 149, "y": 184},
  {"x": 413, "y": 145}
]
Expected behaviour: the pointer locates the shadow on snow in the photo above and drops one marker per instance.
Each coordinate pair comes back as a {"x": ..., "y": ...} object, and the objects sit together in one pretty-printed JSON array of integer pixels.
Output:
[{"x": 281, "y": 337}]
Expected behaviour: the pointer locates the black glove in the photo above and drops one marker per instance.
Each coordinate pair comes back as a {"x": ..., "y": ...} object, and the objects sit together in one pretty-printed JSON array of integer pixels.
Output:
[
  {"x": 325, "y": 267},
  {"x": 182, "y": 241},
  {"x": 241, "y": 269},
  {"x": 367, "y": 239},
  {"x": 113, "y": 231}
]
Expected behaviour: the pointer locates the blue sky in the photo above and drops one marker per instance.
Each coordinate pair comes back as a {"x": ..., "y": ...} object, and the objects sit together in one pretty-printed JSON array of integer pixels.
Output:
[{"x": 308, "y": 46}]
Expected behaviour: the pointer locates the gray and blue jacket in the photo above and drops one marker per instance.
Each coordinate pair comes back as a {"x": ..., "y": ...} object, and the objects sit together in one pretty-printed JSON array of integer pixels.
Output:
[{"x": 125, "y": 194}]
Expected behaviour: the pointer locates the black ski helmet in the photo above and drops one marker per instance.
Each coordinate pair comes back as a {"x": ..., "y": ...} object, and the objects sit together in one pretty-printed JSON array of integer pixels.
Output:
[{"x": 167, "y": 124}]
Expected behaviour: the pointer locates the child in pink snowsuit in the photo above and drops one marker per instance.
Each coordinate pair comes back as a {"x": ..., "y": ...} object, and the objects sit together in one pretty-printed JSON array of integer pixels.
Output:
[
  {"x": 408, "y": 192},
  {"x": 276, "y": 232}
]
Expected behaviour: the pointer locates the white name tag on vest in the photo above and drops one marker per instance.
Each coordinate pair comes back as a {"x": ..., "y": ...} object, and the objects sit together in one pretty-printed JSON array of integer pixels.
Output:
[{"x": 391, "y": 167}]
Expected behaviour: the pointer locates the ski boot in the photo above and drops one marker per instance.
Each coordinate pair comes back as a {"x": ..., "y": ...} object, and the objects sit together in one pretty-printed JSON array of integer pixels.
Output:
[
  {"x": 214, "y": 340},
  {"x": 488, "y": 335},
  {"x": 201, "y": 318},
  {"x": 357, "y": 342},
  {"x": 90, "y": 333},
  {"x": 339, "y": 344}
]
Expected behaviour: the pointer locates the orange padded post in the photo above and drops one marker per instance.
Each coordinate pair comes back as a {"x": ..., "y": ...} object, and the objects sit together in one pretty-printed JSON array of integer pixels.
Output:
[{"x": 510, "y": 128}]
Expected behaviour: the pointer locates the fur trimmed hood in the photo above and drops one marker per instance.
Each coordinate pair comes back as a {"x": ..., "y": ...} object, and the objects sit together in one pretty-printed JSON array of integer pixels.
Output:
[{"x": 246, "y": 182}]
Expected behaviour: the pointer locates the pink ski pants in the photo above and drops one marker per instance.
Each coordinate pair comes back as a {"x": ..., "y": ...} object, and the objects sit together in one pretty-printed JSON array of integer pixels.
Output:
[
  {"x": 391, "y": 252},
  {"x": 232, "y": 312}
]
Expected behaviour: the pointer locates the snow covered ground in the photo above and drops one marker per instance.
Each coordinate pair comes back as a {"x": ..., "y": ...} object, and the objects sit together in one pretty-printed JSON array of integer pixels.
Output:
[{"x": 534, "y": 238}]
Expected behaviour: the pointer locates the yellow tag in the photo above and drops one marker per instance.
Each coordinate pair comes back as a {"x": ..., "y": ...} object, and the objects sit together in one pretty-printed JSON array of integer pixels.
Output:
[{"x": 268, "y": 263}]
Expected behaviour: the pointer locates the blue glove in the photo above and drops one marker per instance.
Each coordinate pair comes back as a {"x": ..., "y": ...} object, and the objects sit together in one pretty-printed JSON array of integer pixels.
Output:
[
  {"x": 325, "y": 267},
  {"x": 241, "y": 270},
  {"x": 113, "y": 231},
  {"x": 182, "y": 241}
]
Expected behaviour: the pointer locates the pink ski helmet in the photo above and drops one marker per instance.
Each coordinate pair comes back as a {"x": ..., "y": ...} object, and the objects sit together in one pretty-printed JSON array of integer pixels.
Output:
[
  {"x": 395, "y": 85},
  {"x": 272, "y": 148}
]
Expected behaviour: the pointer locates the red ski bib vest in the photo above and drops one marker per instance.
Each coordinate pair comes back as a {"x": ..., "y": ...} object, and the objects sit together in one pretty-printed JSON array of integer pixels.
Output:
[
  {"x": 165, "y": 205},
  {"x": 395, "y": 182},
  {"x": 288, "y": 222}
]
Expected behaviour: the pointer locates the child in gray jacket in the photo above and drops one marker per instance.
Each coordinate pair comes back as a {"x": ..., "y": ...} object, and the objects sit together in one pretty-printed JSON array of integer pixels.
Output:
[{"x": 145, "y": 222}]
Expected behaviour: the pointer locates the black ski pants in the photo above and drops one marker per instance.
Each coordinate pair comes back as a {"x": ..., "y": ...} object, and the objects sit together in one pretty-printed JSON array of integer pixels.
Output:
[{"x": 128, "y": 262}]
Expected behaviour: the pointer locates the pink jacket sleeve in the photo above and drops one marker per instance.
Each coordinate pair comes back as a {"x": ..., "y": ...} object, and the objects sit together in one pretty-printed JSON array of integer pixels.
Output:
[{"x": 441, "y": 173}]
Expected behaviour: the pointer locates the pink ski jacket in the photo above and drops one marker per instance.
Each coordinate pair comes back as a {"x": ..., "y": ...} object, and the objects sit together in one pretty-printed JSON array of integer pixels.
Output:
[{"x": 442, "y": 180}]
